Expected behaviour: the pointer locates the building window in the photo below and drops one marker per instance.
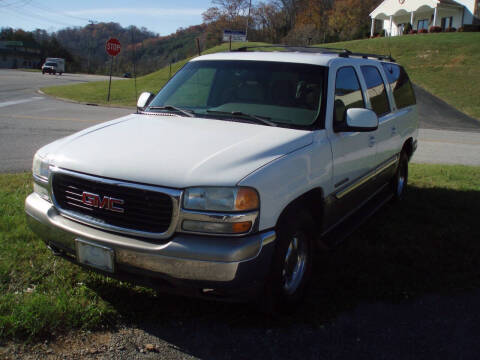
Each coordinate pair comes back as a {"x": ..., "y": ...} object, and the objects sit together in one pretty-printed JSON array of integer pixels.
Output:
[
  {"x": 447, "y": 22},
  {"x": 422, "y": 24}
]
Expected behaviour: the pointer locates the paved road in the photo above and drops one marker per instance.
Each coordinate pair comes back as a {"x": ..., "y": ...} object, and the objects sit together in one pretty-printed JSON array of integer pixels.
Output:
[
  {"x": 446, "y": 136},
  {"x": 29, "y": 120}
]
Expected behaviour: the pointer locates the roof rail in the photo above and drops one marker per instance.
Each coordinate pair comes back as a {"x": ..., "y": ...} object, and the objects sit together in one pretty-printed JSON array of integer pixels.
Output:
[{"x": 322, "y": 50}]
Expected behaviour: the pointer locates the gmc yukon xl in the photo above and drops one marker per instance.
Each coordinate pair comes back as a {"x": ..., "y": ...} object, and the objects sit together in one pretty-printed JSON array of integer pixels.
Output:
[{"x": 224, "y": 183}]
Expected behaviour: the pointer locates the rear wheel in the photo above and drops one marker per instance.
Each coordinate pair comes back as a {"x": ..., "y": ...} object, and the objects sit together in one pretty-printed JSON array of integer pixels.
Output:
[
  {"x": 292, "y": 264},
  {"x": 399, "y": 183}
]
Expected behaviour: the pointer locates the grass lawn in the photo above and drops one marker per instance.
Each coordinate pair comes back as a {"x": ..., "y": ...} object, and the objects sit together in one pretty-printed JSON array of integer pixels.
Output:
[
  {"x": 447, "y": 65},
  {"x": 30, "y": 70},
  {"x": 426, "y": 244}
]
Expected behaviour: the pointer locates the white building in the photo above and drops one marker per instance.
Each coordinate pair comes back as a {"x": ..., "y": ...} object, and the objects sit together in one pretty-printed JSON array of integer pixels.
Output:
[{"x": 422, "y": 14}]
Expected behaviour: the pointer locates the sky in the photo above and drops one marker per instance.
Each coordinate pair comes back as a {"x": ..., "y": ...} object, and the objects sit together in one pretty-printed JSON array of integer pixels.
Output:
[{"x": 160, "y": 16}]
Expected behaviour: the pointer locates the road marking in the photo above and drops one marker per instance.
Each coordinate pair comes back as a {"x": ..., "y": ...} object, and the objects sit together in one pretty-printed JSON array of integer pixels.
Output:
[
  {"x": 15, "y": 102},
  {"x": 46, "y": 118}
]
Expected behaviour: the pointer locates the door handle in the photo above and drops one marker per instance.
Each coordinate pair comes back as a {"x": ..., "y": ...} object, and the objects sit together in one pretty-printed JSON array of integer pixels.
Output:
[{"x": 371, "y": 141}]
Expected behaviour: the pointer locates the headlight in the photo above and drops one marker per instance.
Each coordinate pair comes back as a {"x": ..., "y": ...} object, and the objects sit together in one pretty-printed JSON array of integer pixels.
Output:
[
  {"x": 221, "y": 199},
  {"x": 41, "y": 171},
  {"x": 40, "y": 168}
]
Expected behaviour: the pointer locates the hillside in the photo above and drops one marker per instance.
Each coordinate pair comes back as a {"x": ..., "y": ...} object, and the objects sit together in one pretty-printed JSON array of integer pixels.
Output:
[
  {"x": 150, "y": 51},
  {"x": 445, "y": 64}
]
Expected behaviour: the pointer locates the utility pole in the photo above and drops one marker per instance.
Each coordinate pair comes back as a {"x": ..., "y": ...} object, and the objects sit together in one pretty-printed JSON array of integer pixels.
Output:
[
  {"x": 91, "y": 22},
  {"x": 134, "y": 59},
  {"x": 248, "y": 18}
]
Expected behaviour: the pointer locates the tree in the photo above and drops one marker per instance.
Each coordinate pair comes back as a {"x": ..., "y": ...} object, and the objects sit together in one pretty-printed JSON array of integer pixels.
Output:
[{"x": 349, "y": 19}]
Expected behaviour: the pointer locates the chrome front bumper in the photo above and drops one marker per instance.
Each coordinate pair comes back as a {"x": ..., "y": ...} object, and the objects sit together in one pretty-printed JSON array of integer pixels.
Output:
[{"x": 218, "y": 260}]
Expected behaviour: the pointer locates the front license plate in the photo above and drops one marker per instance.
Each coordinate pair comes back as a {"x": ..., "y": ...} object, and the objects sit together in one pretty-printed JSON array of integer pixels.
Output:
[{"x": 94, "y": 255}]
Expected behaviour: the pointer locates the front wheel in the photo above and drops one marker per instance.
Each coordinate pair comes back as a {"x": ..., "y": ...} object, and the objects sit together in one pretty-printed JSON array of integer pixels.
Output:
[
  {"x": 291, "y": 265},
  {"x": 399, "y": 183}
]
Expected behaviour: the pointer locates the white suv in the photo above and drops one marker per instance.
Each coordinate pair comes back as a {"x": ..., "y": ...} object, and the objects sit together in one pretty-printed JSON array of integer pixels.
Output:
[{"x": 223, "y": 184}]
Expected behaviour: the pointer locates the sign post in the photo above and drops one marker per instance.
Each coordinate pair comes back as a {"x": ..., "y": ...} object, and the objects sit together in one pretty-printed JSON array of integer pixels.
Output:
[{"x": 113, "y": 48}]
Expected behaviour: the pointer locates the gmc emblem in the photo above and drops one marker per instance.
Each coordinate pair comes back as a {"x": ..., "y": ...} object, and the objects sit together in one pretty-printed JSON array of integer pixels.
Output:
[{"x": 108, "y": 203}]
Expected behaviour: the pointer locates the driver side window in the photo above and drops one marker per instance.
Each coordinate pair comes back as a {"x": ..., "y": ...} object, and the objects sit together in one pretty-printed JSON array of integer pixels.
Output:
[{"x": 348, "y": 93}]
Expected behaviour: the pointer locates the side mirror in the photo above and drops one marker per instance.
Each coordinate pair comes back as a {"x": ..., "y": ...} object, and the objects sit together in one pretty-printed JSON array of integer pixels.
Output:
[
  {"x": 143, "y": 100},
  {"x": 359, "y": 120}
]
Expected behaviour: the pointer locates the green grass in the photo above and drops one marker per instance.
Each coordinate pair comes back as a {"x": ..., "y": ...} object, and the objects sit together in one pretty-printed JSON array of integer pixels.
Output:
[
  {"x": 447, "y": 65},
  {"x": 30, "y": 70},
  {"x": 426, "y": 244}
]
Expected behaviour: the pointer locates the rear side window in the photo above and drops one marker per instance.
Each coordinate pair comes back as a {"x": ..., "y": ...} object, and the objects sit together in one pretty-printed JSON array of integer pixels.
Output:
[
  {"x": 376, "y": 90},
  {"x": 348, "y": 93},
  {"x": 401, "y": 86}
]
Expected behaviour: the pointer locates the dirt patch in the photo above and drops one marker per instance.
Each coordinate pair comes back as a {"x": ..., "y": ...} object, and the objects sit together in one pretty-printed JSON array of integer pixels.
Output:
[{"x": 126, "y": 343}]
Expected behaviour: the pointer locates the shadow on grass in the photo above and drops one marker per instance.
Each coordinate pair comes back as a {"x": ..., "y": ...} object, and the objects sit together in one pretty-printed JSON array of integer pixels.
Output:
[{"x": 427, "y": 244}]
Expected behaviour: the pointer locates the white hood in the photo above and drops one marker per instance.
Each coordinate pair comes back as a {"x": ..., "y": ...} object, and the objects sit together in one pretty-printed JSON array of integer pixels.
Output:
[{"x": 174, "y": 151}]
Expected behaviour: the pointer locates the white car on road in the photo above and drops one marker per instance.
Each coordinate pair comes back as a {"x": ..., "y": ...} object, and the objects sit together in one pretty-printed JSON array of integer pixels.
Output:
[{"x": 224, "y": 183}]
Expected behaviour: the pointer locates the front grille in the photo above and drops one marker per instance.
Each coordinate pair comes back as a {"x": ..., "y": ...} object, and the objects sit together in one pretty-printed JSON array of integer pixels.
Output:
[{"x": 144, "y": 210}]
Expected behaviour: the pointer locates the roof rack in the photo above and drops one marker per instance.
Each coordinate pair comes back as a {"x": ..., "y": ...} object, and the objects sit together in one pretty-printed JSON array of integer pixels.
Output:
[{"x": 322, "y": 50}]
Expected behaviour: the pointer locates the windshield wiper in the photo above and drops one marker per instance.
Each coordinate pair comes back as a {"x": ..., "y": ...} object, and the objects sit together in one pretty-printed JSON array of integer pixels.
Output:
[
  {"x": 260, "y": 119},
  {"x": 189, "y": 113}
]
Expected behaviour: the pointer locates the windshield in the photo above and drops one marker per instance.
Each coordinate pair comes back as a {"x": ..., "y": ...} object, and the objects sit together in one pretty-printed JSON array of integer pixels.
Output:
[
  {"x": 50, "y": 64},
  {"x": 287, "y": 94}
]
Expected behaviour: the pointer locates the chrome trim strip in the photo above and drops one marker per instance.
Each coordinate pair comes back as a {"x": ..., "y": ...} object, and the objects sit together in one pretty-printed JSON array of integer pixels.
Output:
[
  {"x": 216, "y": 217},
  {"x": 342, "y": 193},
  {"x": 268, "y": 238},
  {"x": 174, "y": 195},
  {"x": 40, "y": 180}
]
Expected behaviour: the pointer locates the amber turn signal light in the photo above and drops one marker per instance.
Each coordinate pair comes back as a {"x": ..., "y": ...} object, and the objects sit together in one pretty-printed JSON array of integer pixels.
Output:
[
  {"x": 247, "y": 199},
  {"x": 241, "y": 227}
]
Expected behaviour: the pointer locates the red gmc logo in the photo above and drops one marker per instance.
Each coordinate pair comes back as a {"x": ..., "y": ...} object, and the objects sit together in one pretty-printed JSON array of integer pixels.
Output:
[{"x": 108, "y": 203}]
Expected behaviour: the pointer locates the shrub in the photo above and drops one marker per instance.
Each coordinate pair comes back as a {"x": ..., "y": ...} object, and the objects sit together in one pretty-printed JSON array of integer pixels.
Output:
[
  {"x": 469, "y": 28},
  {"x": 407, "y": 29},
  {"x": 423, "y": 31},
  {"x": 413, "y": 32},
  {"x": 435, "y": 29},
  {"x": 450, "y": 29}
]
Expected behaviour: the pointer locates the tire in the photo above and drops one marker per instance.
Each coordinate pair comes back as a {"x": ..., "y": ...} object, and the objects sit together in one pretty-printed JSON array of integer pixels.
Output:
[
  {"x": 292, "y": 264},
  {"x": 400, "y": 180}
]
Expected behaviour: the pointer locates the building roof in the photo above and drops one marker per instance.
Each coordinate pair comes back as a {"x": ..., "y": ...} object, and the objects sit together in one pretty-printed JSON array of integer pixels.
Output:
[{"x": 393, "y": 7}]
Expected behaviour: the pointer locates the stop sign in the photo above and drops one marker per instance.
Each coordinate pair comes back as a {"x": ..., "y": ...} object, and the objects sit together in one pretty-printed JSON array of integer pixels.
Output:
[{"x": 113, "y": 47}]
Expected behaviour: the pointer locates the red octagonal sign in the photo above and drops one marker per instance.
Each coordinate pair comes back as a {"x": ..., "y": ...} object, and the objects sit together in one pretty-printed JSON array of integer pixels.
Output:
[{"x": 113, "y": 47}]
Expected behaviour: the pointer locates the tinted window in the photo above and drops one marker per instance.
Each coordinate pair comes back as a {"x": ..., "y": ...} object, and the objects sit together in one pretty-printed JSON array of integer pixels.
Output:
[
  {"x": 285, "y": 93},
  {"x": 376, "y": 90},
  {"x": 348, "y": 93},
  {"x": 401, "y": 86}
]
